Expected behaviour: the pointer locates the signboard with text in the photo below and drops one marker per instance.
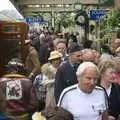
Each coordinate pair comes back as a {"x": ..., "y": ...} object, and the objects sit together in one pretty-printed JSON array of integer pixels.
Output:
[
  {"x": 32, "y": 20},
  {"x": 97, "y": 14}
]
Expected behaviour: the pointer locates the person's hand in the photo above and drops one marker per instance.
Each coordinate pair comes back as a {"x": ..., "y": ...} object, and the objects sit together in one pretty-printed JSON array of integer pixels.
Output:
[
  {"x": 111, "y": 117},
  {"x": 38, "y": 116},
  {"x": 31, "y": 75}
]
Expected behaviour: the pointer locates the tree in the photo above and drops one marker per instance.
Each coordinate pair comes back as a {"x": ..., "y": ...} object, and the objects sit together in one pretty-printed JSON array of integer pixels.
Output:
[
  {"x": 107, "y": 2},
  {"x": 110, "y": 22}
]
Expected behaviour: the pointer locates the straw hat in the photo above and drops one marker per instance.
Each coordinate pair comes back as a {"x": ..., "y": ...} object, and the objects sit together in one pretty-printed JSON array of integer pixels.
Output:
[{"x": 54, "y": 55}]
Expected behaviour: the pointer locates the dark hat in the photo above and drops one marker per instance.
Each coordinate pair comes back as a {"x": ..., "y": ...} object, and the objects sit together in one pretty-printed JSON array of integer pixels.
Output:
[
  {"x": 74, "y": 48},
  {"x": 15, "y": 64}
]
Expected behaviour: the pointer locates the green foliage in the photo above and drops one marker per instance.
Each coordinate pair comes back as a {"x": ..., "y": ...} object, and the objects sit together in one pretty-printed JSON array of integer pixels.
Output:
[
  {"x": 65, "y": 20},
  {"x": 110, "y": 22},
  {"x": 113, "y": 18},
  {"x": 108, "y": 2}
]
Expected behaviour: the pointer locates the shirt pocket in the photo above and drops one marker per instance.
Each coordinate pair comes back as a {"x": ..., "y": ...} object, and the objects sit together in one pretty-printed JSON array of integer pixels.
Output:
[{"x": 99, "y": 108}]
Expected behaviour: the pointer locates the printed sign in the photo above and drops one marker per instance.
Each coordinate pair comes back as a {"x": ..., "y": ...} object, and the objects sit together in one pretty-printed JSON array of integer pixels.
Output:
[{"x": 13, "y": 90}]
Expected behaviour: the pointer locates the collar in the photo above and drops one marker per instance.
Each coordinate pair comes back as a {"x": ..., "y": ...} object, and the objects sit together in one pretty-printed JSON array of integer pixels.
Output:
[{"x": 13, "y": 75}]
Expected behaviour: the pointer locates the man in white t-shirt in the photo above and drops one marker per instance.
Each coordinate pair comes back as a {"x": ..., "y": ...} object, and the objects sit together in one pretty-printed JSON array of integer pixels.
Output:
[{"x": 85, "y": 100}]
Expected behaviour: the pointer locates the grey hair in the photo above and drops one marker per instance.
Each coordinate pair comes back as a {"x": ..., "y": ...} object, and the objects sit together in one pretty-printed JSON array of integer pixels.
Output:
[{"x": 83, "y": 66}]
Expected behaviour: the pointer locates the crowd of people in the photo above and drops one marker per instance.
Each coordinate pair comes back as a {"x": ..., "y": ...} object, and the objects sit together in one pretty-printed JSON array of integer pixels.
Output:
[{"x": 62, "y": 79}]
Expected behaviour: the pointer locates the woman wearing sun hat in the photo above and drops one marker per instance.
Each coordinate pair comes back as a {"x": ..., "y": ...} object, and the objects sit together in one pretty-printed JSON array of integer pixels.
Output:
[
  {"x": 48, "y": 72},
  {"x": 52, "y": 66},
  {"x": 55, "y": 58}
]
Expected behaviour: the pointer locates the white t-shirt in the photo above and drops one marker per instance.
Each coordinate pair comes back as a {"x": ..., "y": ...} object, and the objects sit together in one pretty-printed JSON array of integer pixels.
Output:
[{"x": 83, "y": 106}]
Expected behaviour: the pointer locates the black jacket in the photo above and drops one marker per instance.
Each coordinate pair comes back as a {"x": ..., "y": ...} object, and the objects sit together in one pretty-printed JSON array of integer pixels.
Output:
[
  {"x": 65, "y": 76},
  {"x": 114, "y": 101}
]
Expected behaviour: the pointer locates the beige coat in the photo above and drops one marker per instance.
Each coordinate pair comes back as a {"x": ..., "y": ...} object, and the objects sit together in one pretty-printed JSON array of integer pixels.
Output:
[
  {"x": 32, "y": 62},
  {"x": 50, "y": 99}
]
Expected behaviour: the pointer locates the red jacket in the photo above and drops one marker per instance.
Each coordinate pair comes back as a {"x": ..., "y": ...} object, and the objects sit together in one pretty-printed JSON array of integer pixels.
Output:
[{"x": 20, "y": 94}]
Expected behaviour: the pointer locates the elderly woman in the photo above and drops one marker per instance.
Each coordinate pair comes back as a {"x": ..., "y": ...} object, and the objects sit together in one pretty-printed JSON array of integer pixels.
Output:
[
  {"x": 85, "y": 100},
  {"x": 49, "y": 70},
  {"x": 107, "y": 77},
  {"x": 47, "y": 78}
]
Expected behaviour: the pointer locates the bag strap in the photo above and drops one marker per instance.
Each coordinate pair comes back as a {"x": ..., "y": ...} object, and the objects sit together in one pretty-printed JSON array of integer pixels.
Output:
[{"x": 106, "y": 97}]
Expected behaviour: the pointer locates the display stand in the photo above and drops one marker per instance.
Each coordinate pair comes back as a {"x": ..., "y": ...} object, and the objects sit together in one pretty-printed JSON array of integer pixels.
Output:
[{"x": 12, "y": 40}]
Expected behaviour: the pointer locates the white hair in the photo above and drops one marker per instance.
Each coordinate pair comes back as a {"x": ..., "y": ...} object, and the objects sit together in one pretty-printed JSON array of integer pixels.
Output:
[{"x": 83, "y": 66}]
